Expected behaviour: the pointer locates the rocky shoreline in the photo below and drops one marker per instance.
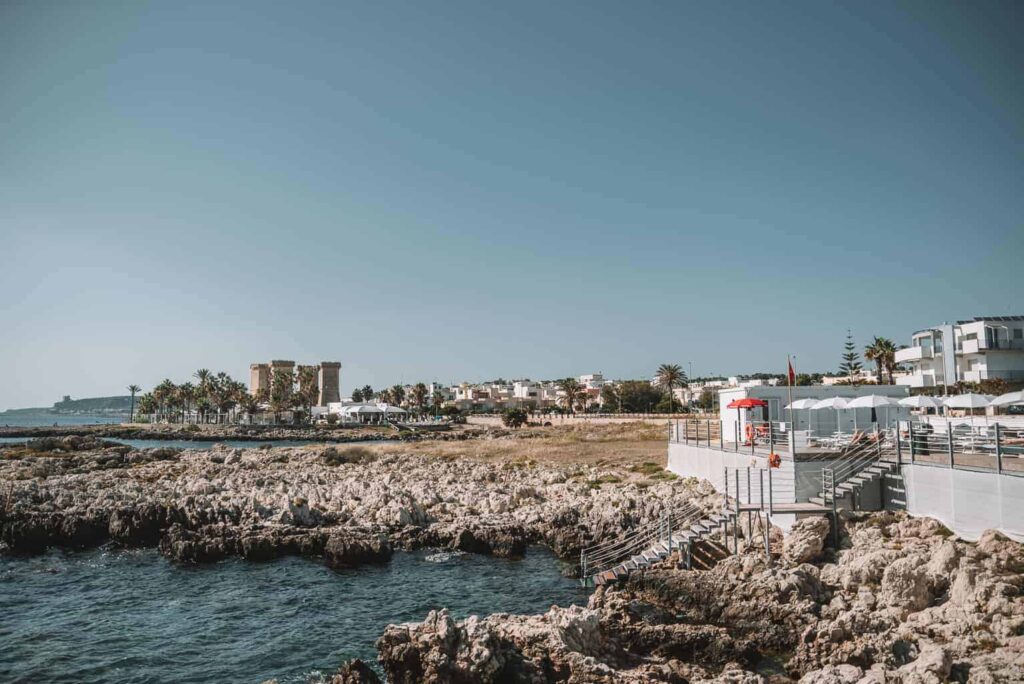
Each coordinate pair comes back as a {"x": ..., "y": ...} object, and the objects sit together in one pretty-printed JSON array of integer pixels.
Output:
[
  {"x": 240, "y": 433},
  {"x": 345, "y": 504},
  {"x": 900, "y": 600}
]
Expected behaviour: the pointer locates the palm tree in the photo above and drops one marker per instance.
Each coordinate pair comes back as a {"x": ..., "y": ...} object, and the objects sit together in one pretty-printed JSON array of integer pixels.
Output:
[
  {"x": 419, "y": 395},
  {"x": 882, "y": 352},
  {"x": 280, "y": 391},
  {"x": 163, "y": 393},
  {"x": 398, "y": 394},
  {"x": 669, "y": 376},
  {"x": 573, "y": 394},
  {"x": 308, "y": 388},
  {"x": 367, "y": 393},
  {"x": 187, "y": 394},
  {"x": 134, "y": 389},
  {"x": 147, "y": 403}
]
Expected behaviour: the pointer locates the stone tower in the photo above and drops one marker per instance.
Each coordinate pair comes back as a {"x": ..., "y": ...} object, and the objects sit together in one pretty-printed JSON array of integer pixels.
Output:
[
  {"x": 259, "y": 377},
  {"x": 330, "y": 382},
  {"x": 286, "y": 366}
]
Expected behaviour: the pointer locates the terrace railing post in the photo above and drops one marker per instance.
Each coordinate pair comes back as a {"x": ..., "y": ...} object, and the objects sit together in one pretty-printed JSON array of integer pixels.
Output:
[
  {"x": 899, "y": 446},
  {"x": 736, "y": 532},
  {"x": 771, "y": 438},
  {"x": 736, "y": 436},
  {"x": 668, "y": 531},
  {"x": 911, "y": 443},
  {"x": 949, "y": 442},
  {"x": 736, "y": 485},
  {"x": 721, "y": 437},
  {"x": 771, "y": 498},
  {"x": 999, "y": 450},
  {"x": 760, "y": 480},
  {"x": 748, "y": 485}
]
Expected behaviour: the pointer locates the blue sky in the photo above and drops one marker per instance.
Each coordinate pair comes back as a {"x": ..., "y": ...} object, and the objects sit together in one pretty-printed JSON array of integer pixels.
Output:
[{"x": 448, "y": 191}]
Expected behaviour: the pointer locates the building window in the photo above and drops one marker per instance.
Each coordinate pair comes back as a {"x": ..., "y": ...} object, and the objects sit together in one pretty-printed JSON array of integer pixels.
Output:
[{"x": 1018, "y": 333}]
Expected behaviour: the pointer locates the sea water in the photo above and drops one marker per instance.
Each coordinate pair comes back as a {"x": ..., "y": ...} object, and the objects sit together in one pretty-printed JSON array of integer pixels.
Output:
[{"x": 132, "y": 616}]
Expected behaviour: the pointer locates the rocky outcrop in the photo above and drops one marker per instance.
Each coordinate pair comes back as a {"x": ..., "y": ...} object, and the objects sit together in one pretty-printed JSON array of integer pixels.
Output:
[
  {"x": 899, "y": 601},
  {"x": 806, "y": 540},
  {"x": 343, "y": 504},
  {"x": 355, "y": 671}
]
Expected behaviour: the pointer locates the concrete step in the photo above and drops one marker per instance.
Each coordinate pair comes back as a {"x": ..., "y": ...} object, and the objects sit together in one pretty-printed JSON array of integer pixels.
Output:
[{"x": 817, "y": 500}]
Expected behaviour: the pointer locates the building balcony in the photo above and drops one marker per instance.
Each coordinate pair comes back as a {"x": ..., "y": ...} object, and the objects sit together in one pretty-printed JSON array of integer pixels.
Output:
[
  {"x": 911, "y": 354},
  {"x": 916, "y": 380},
  {"x": 971, "y": 347},
  {"x": 983, "y": 346}
]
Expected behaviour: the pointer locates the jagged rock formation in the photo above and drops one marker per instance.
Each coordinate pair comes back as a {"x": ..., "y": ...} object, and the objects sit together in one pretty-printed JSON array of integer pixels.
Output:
[
  {"x": 898, "y": 602},
  {"x": 345, "y": 506}
]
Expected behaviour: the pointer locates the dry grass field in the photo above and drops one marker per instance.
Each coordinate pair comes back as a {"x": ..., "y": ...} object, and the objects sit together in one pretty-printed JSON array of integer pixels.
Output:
[{"x": 634, "y": 449}]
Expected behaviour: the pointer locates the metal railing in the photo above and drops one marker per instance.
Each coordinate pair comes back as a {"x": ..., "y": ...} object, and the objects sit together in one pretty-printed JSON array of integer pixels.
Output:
[
  {"x": 758, "y": 434},
  {"x": 973, "y": 447},
  {"x": 604, "y": 556}
]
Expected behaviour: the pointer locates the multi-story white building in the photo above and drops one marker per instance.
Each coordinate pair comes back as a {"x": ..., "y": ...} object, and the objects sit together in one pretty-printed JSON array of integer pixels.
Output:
[{"x": 983, "y": 348}]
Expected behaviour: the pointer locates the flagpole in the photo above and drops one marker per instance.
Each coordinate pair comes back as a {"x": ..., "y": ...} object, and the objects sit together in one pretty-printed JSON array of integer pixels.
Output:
[{"x": 789, "y": 382}]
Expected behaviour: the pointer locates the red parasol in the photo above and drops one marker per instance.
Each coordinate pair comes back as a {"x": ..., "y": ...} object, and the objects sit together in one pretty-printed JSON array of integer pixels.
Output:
[{"x": 748, "y": 402}]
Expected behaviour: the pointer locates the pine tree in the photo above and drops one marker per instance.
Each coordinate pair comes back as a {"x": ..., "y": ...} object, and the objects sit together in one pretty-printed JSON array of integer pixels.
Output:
[{"x": 851, "y": 364}]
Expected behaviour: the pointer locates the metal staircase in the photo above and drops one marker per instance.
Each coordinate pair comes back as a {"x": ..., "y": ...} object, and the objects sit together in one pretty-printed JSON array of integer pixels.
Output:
[
  {"x": 857, "y": 467},
  {"x": 645, "y": 545}
]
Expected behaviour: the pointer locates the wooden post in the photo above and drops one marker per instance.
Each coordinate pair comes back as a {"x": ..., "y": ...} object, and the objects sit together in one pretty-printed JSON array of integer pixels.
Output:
[
  {"x": 721, "y": 437},
  {"x": 771, "y": 498},
  {"x": 771, "y": 438},
  {"x": 736, "y": 436}
]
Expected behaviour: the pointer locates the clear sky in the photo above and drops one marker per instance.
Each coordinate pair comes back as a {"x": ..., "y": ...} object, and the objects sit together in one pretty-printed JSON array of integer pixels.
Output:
[{"x": 465, "y": 190}]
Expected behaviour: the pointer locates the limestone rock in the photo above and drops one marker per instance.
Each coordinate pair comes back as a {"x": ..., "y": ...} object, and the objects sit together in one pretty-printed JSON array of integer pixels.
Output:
[{"x": 806, "y": 540}]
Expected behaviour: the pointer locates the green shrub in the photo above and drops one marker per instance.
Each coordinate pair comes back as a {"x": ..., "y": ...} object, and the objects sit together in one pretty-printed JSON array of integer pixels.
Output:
[{"x": 514, "y": 418}]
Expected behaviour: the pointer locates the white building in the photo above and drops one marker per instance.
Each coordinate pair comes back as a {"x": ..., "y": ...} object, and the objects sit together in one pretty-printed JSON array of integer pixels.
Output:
[
  {"x": 983, "y": 348},
  {"x": 825, "y": 421}
]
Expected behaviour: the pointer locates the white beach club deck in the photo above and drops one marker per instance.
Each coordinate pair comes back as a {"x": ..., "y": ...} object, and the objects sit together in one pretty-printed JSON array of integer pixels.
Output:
[{"x": 971, "y": 477}]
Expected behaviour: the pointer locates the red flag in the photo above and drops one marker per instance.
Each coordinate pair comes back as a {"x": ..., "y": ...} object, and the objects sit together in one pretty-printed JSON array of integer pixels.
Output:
[{"x": 792, "y": 375}]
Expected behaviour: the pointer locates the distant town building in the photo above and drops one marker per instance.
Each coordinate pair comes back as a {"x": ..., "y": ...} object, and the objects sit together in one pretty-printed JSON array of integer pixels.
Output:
[
  {"x": 328, "y": 378},
  {"x": 981, "y": 348}
]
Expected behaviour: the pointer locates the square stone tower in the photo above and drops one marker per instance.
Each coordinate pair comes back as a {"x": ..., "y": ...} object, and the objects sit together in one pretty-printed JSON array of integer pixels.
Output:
[
  {"x": 330, "y": 382},
  {"x": 259, "y": 377}
]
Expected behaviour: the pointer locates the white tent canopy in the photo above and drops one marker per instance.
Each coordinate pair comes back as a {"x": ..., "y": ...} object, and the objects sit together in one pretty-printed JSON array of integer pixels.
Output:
[
  {"x": 801, "y": 404},
  {"x": 830, "y": 403},
  {"x": 920, "y": 401},
  {"x": 1008, "y": 399},
  {"x": 871, "y": 401},
  {"x": 361, "y": 408},
  {"x": 968, "y": 401}
]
